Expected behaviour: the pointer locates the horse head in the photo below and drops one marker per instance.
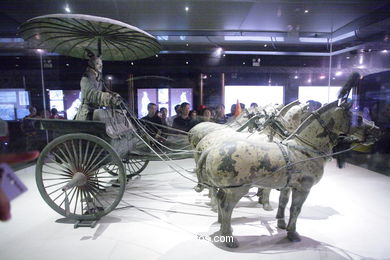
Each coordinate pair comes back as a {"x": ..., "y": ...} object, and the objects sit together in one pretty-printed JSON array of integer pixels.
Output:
[{"x": 339, "y": 120}]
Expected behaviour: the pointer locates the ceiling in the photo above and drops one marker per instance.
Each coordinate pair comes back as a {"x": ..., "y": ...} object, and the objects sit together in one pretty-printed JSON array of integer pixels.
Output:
[{"x": 237, "y": 26}]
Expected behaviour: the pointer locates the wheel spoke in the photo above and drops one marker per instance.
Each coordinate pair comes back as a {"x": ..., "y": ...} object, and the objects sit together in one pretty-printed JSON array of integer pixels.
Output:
[
  {"x": 90, "y": 156},
  {"x": 75, "y": 155},
  {"x": 53, "y": 179},
  {"x": 92, "y": 163},
  {"x": 77, "y": 199},
  {"x": 86, "y": 154},
  {"x": 69, "y": 160},
  {"x": 56, "y": 184},
  {"x": 72, "y": 160},
  {"x": 58, "y": 174},
  {"x": 54, "y": 191}
]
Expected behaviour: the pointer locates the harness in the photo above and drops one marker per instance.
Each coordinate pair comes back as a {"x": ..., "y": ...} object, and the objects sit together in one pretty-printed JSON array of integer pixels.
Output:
[{"x": 332, "y": 137}]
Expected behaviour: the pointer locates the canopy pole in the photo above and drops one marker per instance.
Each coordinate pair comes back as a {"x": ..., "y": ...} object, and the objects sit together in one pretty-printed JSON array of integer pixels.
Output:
[{"x": 99, "y": 46}]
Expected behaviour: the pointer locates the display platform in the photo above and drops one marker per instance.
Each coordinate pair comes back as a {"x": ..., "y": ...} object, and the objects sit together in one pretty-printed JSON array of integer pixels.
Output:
[{"x": 161, "y": 217}]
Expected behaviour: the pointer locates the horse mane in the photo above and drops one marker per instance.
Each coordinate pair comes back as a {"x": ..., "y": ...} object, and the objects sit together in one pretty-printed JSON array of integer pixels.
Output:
[{"x": 311, "y": 118}]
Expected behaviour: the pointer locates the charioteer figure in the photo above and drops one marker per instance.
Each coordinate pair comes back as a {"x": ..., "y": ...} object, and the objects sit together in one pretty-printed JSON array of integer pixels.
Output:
[{"x": 92, "y": 95}]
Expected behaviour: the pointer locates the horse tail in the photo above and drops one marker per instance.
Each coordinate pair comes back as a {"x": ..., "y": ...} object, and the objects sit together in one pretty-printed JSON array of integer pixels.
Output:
[{"x": 200, "y": 167}]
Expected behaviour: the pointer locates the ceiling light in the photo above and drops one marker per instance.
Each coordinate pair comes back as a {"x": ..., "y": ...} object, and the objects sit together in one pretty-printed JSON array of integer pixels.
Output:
[
  {"x": 67, "y": 64},
  {"x": 384, "y": 51},
  {"x": 254, "y": 38},
  {"x": 187, "y": 44},
  {"x": 306, "y": 11},
  {"x": 338, "y": 73},
  {"x": 67, "y": 9},
  {"x": 187, "y": 62},
  {"x": 132, "y": 63},
  {"x": 187, "y": 8},
  {"x": 309, "y": 81},
  {"x": 163, "y": 38},
  {"x": 243, "y": 63},
  {"x": 361, "y": 67},
  {"x": 333, "y": 78},
  {"x": 312, "y": 39},
  {"x": 40, "y": 51},
  {"x": 224, "y": 55},
  {"x": 361, "y": 59},
  {"x": 296, "y": 77},
  {"x": 109, "y": 78},
  {"x": 348, "y": 57},
  {"x": 322, "y": 77},
  {"x": 156, "y": 55},
  {"x": 265, "y": 45}
]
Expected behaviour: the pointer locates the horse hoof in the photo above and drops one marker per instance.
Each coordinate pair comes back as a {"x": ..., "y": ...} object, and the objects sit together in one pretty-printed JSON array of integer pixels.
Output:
[
  {"x": 293, "y": 236},
  {"x": 281, "y": 224},
  {"x": 231, "y": 242},
  {"x": 199, "y": 188},
  {"x": 267, "y": 207}
]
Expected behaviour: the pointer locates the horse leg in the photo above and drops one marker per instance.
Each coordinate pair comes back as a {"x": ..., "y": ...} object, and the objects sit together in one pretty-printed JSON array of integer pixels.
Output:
[
  {"x": 265, "y": 199},
  {"x": 298, "y": 198},
  {"x": 213, "y": 192},
  {"x": 283, "y": 200},
  {"x": 227, "y": 201}
]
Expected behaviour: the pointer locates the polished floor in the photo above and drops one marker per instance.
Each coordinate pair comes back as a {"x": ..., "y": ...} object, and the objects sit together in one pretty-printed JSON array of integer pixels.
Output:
[{"x": 160, "y": 217}]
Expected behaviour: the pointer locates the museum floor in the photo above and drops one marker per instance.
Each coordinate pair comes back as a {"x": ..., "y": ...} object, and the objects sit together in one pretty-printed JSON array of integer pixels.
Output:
[{"x": 346, "y": 216}]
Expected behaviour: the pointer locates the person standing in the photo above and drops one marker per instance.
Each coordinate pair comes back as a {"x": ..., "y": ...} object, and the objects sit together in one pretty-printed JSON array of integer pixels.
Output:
[
  {"x": 220, "y": 117},
  {"x": 172, "y": 118},
  {"x": 184, "y": 122},
  {"x": 152, "y": 117}
]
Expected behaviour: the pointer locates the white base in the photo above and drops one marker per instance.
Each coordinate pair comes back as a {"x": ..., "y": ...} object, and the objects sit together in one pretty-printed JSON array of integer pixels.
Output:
[{"x": 346, "y": 216}]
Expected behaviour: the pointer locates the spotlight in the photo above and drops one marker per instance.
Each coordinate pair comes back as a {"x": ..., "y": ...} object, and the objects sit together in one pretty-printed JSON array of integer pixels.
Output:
[
  {"x": 67, "y": 9},
  {"x": 156, "y": 55},
  {"x": 338, "y": 73},
  {"x": 309, "y": 81},
  {"x": 306, "y": 11},
  {"x": 384, "y": 51},
  {"x": 187, "y": 8},
  {"x": 40, "y": 50},
  {"x": 187, "y": 62},
  {"x": 109, "y": 78},
  {"x": 132, "y": 63},
  {"x": 265, "y": 45},
  {"x": 322, "y": 77},
  {"x": 296, "y": 77}
]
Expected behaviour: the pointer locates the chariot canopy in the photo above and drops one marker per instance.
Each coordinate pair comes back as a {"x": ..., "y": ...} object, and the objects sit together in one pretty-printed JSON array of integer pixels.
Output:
[{"x": 71, "y": 34}]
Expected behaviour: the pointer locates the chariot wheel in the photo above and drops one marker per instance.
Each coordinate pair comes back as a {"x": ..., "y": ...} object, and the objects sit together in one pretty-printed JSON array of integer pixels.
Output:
[
  {"x": 73, "y": 178},
  {"x": 132, "y": 167}
]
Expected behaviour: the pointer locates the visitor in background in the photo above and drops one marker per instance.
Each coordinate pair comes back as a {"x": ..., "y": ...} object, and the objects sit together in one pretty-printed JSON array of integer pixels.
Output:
[
  {"x": 164, "y": 114},
  {"x": 54, "y": 114},
  {"x": 172, "y": 118},
  {"x": 153, "y": 130},
  {"x": 29, "y": 130},
  {"x": 184, "y": 122},
  {"x": 193, "y": 114},
  {"x": 206, "y": 115},
  {"x": 220, "y": 117}
]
